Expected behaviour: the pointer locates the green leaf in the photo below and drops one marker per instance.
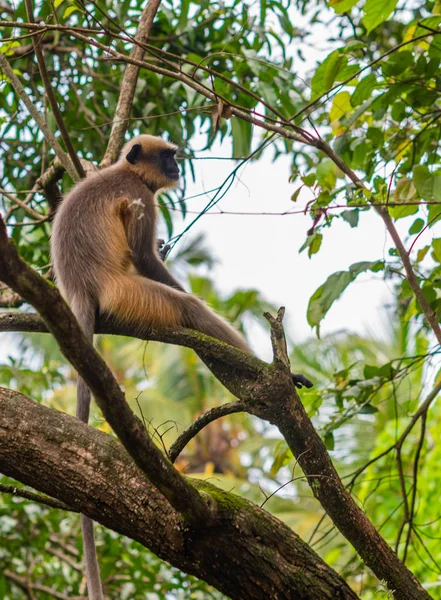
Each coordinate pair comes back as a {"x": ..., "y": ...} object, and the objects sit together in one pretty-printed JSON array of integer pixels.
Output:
[
  {"x": 368, "y": 409},
  {"x": 364, "y": 90},
  {"x": 341, "y": 106},
  {"x": 242, "y": 136},
  {"x": 436, "y": 249},
  {"x": 434, "y": 214},
  {"x": 309, "y": 180},
  {"x": 69, "y": 10},
  {"x": 8, "y": 47},
  {"x": 351, "y": 216},
  {"x": 416, "y": 226},
  {"x": 371, "y": 371},
  {"x": 342, "y": 6},
  {"x": 397, "y": 63},
  {"x": 282, "y": 457},
  {"x": 422, "y": 253},
  {"x": 428, "y": 184},
  {"x": 376, "y": 12},
  {"x": 313, "y": 243},
  {"x": 312, "y": 400},
  {"x": 325, "y": 296},
  {"x": 329, "y": 441},
  {"x": 295, "y": 196},
  {"x": 183, "y": 18},
  {"x": 405, "y": 192},
  {"x": 327, "y": 72}
]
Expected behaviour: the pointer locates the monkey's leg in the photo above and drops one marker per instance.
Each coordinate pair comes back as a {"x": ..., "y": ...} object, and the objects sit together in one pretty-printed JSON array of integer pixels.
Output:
[{"x": 146, "y": 303}]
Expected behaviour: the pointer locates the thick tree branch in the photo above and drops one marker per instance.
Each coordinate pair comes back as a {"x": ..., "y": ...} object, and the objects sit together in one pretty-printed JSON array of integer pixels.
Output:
[
  {"x": 128, "y": 86},
  {"x": 222, "y": 358},
  {"x": 36, "y": 41},
  {"x": 247, "y": 554},
  {"x": 267, "y": 392},
  {"x": 52, "y": 140},
  {"x": 111, "y": 400}
]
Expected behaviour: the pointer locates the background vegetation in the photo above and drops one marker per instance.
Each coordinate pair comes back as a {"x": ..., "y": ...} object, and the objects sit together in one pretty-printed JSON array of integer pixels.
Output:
[{"x": 362, "y": 129}]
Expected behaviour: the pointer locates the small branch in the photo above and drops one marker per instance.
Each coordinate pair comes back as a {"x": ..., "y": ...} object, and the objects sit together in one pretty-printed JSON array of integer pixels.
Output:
[
  {"x": 21, "y": 92},
  {"x": 36, "y": 41},
  {"x": 10, "y": 299},
  {"x": 34, "y": 496},
  {"x": 429, "y": 313},
  {"x": 415, "y": 484},
  {"x": 32, "y": 213},
  {"x": 278, "y": 339},
  {"x": 128, "y": 86},
  {"x": 26, "y": 585},
  {"x": 65, "y": 558},
  {"x": 192, "y": 430}
]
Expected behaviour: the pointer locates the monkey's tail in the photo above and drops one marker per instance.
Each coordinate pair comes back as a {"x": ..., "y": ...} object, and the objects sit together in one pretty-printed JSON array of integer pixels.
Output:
[
  {"x": 199, "y": 316},
  {"x": 85, "y": 313}
]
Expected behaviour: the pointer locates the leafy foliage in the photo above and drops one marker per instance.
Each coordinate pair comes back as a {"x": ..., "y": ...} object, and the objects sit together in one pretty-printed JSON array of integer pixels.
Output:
[{"x": 374, "y": 97}]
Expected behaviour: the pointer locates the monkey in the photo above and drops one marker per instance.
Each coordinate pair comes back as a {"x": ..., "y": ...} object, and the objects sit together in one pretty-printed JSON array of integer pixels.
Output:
[{"x": 106, "y": 262}]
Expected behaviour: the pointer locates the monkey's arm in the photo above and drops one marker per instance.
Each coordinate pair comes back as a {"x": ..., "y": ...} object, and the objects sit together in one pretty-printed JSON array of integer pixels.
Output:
[
  {"x": 153, "y": 268},
  {"x": 141, "y": 237}
]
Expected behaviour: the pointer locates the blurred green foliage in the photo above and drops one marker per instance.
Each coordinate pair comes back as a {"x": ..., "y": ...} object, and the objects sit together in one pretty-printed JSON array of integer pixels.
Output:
[{"x": 375, "y": 98}]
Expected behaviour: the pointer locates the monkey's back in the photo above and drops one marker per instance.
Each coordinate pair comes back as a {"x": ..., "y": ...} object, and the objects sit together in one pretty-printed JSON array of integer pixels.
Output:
[{"x": 88, "y": 240}]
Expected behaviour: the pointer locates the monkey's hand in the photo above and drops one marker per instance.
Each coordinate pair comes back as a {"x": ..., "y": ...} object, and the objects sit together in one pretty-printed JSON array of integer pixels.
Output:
[
  {"x": 163, "y": 249},
  {"x": 300, "y": 381}
]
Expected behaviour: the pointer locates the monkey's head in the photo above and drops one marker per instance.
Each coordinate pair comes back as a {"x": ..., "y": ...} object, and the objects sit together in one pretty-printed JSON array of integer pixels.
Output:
[{"x": 153, "y": 160}]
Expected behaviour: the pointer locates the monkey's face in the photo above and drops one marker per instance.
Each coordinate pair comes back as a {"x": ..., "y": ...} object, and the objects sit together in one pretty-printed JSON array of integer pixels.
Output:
[
  {"x": 154, "y": 161},
  {"x": 169, "y": 166}
]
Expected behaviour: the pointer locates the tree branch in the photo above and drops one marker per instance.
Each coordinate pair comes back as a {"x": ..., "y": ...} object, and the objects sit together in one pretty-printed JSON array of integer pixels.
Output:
[
  {"x": 24, "y": 584},
  {"x": 192, "y": 430},
  {"x": 36, "y": 41},
  {"x": 28, "y": 495},
  {"x": 288, "y": 414},
  {"x": 52, "y": 140},
  {"x": 91, "y": 472},
  {"x": 111, "y": 400},
  {"x": 128, "y": 86}
]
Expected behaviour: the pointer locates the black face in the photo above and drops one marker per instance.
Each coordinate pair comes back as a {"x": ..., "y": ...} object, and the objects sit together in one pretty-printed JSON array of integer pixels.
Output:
[{"x": 169, "y": 165}]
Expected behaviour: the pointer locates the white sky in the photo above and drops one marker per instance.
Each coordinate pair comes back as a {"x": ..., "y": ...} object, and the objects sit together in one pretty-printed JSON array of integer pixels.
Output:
[{"x": 261, "y": 251}]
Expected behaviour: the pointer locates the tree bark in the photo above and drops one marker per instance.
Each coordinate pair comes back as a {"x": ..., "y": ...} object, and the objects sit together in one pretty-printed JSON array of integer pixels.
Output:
[{"x": 246, "y": 553}]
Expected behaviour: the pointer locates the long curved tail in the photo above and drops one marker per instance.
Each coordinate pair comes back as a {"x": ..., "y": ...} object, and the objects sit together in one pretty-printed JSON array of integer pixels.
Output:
[{"x": 84, "y": 311}]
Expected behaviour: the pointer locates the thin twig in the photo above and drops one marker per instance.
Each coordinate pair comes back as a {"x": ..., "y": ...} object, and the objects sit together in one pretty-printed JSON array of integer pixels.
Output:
[
  {"x": 128, "y": 86},
  {"x": 34, "y": 496},
  {"x": 192, "y": 430},
  {"x": 52, "y": 140},
  {"x": 36, "y": 42}
]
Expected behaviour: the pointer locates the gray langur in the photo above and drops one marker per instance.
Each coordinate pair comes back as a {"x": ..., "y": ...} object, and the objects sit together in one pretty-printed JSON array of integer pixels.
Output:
[{"x": 106, "y": 262}]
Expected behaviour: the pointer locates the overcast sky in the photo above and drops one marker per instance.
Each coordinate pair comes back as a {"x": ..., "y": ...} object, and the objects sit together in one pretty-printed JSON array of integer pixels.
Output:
[{"x": 262, "y": 251}]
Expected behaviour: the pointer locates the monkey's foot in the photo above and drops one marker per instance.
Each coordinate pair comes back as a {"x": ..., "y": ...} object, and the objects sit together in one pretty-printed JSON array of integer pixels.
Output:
[{"x": 300, "y": 381}]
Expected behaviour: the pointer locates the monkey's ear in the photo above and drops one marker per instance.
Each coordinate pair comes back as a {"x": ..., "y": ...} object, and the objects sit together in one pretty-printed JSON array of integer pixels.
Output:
[{"x": 134, "y": 154}]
